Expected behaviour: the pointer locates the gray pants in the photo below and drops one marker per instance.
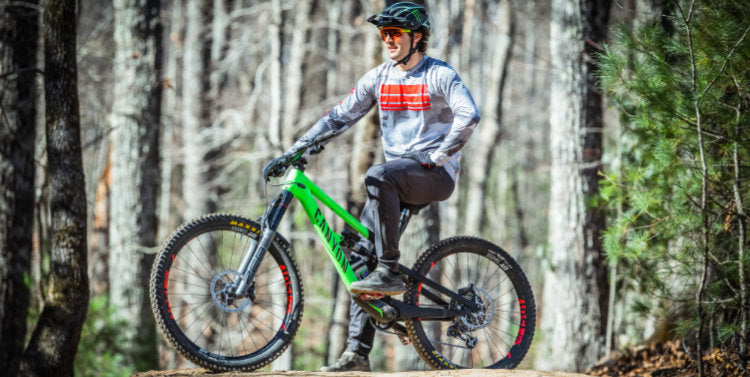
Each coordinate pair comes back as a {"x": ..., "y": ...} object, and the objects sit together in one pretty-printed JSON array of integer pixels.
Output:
[{"x": 388, "y": 185}]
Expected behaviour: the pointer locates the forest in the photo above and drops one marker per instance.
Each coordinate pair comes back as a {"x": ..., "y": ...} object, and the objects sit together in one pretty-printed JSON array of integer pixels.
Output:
[{"x": 612, "y": 162}]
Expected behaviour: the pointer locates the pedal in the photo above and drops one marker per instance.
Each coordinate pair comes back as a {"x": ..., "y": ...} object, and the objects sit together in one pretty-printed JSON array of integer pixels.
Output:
[
  {"x": 370, "y": 296},
  {"x": 404, "y": 339}
]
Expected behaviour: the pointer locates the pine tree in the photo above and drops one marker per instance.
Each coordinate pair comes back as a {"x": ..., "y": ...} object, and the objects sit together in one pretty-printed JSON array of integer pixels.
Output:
[{"x": 683, "y": 87}]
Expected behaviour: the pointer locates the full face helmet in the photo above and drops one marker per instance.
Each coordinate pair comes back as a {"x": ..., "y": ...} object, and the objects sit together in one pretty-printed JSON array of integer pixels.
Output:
[{"x": 404, "y": 15}]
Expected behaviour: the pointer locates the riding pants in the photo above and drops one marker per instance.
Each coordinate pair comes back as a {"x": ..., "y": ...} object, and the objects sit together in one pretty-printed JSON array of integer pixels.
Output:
[{"x": 388, "y": 185}]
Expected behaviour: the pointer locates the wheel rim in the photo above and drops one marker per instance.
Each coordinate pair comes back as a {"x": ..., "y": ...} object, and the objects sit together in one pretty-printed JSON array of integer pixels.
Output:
[
  {"x": 197, "y": 285},
  {"x": 495, "y": 329}
]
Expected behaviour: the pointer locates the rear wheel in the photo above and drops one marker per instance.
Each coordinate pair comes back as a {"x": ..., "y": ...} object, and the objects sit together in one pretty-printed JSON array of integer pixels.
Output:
[
  {"x": 193, "y": 300},
  {"x": 499, "y": 333}
]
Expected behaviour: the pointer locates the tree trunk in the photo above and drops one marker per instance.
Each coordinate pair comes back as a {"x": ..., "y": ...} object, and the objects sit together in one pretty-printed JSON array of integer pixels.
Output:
[
  {"x": 170, "y": 120},
  {"x": 741, "y": 226},
  {"x": 98, "y": 258},
  {"x": 276, "y": 41},
  {"x": 135, "y": 169},
  {"x": 466, "y": 47},
  {"x": 489, "y": 132},
  {"x": 332, "y": 43},
  {"x": 170, "y": 140},
  {"x": 219, "y": 46},
  {"x": 295, "y": 72},
  {"x": 195, "y": 193},
  {"x": 54, "y": 342},
  {"x": 576, "y": 282},
  {"x": 19, "y": 29}
]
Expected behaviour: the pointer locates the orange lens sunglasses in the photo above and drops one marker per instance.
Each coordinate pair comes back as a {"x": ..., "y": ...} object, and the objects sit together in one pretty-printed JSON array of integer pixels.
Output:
[{"x": 393, "y": 32}]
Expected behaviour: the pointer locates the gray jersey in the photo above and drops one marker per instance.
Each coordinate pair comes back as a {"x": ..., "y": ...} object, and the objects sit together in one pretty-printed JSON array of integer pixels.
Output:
[{"x": 426, "y": 109}]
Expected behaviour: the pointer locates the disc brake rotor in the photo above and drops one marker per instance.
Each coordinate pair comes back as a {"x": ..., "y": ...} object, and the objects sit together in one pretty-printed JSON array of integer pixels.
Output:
[
  {"x": 476, "y": 319},
  {"x": 482, "y": 317},
  {"x": 222, "y": 287}
]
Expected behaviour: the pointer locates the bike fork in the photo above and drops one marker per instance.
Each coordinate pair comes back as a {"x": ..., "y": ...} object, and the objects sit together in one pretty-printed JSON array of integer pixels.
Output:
[{"x": 254, "y": 255}]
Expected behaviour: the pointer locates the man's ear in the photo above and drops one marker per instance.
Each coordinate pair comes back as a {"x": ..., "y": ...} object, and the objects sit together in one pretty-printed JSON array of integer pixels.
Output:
[{"x": 417, "y": 38}]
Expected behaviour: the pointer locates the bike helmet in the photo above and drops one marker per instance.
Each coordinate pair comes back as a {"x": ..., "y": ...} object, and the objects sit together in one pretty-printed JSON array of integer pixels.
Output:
[{"x": 405, "y": 15}]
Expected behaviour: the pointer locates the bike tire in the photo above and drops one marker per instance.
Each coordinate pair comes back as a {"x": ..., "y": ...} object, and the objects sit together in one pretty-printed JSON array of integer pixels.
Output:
[
  {"x": 502, "y": 332},
  {"x": 190, "y": 274}
]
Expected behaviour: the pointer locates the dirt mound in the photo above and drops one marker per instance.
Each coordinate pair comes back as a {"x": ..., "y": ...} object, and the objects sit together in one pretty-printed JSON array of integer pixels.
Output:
[{"x": 668, "y": 360}]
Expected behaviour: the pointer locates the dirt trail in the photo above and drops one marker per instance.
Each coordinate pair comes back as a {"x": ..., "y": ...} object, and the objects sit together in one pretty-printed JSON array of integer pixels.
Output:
[{"x": 437, "y": 373}]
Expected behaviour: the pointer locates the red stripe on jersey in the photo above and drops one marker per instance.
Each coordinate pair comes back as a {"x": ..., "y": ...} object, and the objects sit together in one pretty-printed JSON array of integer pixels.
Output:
[
  {"x": 410, "y": 99},
  {"x": 400, "y": 107},
  {"x": 394, "y": 97},
  {"x": 399, "y": 89}
]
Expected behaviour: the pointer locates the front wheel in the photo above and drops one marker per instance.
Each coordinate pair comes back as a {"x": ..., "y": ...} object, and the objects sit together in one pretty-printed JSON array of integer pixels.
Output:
[
  {"x": 195, "y": 305},
  {"x": 499, "y": 333}
]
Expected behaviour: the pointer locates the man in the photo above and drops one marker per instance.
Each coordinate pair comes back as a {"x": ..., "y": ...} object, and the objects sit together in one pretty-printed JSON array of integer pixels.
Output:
[{"x": 426, "y": 116}]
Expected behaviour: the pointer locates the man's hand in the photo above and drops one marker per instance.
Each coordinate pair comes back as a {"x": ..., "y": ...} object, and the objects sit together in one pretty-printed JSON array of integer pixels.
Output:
[
  {"x": 421, "y": 157},
  {"x": 276, "y": 167}
]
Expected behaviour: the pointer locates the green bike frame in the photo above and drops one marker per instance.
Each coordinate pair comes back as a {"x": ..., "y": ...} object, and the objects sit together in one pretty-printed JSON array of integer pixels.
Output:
[{"x": 306, "y": 191}]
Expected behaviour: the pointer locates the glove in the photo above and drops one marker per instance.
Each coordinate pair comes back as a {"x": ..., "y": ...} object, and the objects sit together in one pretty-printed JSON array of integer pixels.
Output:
[
  {"x": 421, "y": 157},
  {"x": 275, "y": 167}
]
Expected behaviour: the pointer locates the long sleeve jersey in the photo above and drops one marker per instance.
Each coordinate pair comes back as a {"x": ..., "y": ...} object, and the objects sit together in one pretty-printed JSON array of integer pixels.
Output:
[{"x": 425, "y": 109}]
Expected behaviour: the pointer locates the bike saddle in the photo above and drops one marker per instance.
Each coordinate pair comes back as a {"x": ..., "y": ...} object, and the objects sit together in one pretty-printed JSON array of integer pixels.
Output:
[{"x": 413, "y": 208}]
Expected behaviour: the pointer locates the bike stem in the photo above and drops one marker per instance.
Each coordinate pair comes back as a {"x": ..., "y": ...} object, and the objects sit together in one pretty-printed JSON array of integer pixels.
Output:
[{"x": 256, "y": 252}]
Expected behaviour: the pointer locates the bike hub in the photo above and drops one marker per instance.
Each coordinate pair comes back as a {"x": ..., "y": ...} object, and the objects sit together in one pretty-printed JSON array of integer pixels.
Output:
[
  {"x": 475, "y": 319},
  {"x": 223, "y": 286}
]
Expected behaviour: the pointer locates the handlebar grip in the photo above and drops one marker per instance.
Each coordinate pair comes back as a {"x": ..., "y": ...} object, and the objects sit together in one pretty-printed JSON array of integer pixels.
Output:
[{"x": 275, "y": 167}]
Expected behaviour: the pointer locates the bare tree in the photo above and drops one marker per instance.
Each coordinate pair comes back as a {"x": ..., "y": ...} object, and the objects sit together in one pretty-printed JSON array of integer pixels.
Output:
[
  {"x": 576, "y": 282},
  {"x": 294, "y": 71},
  {"x": 135, "y": 168},
  {"x": 19, "y": 30},
  {"x": 54, "y": 342},
  {"x": 275, "y": 38},
  {"x": 489, "y": 132},
  {"x": 195, "y": 193}
]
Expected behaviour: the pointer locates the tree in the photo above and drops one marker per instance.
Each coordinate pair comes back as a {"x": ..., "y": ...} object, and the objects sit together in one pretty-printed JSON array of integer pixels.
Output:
[
  {"x": 19, "y": 30},
  {"x": 480, "y": 164},
  {"x": 683, "y": 90},
  {"x": 576, "y": 281},
  {"x": 135, "y": 118},
  {"x": 54, "y": 342},
  {"x": 198, "y": 197}
]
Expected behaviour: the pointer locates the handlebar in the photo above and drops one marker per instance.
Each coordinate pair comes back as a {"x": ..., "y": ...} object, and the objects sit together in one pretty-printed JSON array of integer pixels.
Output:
[{"x": 277, "y": 167}]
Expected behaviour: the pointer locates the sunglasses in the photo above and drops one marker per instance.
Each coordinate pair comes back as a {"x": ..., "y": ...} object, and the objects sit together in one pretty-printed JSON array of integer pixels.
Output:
[{"x": 393, "y": 32}]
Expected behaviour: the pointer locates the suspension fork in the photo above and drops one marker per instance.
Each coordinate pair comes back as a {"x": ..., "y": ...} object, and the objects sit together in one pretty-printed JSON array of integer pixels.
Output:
[{"x": 257, "y": 250}]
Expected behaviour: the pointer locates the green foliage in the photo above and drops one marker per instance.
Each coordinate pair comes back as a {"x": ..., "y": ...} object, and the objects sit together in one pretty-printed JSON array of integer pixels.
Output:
[
  {"x": 100, "y": 351},
  {"x": 667, "y": 84}
]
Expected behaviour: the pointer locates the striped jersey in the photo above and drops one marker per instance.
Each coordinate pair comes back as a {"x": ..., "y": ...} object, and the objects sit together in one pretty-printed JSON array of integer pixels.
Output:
[{"x": 425, "y": 109}]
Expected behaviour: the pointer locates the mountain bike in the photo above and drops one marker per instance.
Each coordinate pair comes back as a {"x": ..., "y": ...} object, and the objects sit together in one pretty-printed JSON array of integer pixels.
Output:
[{"x": 227, "y": 293}]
